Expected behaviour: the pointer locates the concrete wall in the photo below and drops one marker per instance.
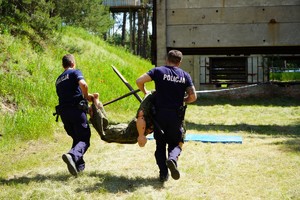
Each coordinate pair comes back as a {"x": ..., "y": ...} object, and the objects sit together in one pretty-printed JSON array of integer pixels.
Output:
[{"x": 225, "y": 24}]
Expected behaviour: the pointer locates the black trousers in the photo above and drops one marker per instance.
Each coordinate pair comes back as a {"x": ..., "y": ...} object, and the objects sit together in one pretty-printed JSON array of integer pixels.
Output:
[
  {"x": 77, "y": 127},
  {"x": 171, "y": 124}
]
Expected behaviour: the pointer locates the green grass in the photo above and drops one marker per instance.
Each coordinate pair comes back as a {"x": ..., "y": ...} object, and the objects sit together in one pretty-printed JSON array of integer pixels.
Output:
[
  {"x": 265, "y": 166},
  {"x": 285, "y": 76},
  {"x": 27, "y": 81},
  {"x": 276, "y": 116}
]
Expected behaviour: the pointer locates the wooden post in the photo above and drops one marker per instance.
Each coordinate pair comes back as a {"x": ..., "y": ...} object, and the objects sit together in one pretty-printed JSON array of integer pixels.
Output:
[{"x": 126, "y": 83}]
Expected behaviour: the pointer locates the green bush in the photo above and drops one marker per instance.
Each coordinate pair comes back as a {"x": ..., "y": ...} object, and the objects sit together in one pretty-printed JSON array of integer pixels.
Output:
[{"x": 285, "y": 76}]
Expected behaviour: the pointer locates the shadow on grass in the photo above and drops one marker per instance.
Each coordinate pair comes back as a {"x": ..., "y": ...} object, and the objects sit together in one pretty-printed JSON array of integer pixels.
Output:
[
  {"x": 290, "y": 145},
  {"x": 115, "y": 184},
  {"x": 107, "y": 182},
  {"x": 287, "y": 131},
  {"x": 292, "y": 132},
  {"x": 37, "y": 178}
]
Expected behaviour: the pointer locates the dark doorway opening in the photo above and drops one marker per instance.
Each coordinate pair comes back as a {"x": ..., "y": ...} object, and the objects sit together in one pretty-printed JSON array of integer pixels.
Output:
[{"x": 228, "y": 70}]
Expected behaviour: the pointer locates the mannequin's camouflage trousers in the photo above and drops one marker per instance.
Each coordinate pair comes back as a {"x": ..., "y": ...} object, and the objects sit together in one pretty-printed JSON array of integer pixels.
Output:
[{"x": 122, "y": 133}]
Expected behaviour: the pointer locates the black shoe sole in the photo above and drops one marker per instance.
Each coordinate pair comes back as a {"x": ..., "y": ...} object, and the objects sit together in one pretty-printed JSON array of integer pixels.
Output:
[
  {"x": 67, "y": 158},
  {"x": 173, "y": 169}
]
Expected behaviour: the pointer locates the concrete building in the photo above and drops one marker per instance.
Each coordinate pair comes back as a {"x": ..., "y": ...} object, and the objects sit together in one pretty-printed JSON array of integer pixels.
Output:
[{"x": 227, "y": 41}]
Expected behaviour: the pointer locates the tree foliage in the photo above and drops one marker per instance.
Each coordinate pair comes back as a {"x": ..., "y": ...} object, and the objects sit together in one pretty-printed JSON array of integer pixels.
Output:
[
  {"x": 38, "y": 19},
  {"x": 88, "y": 14},
  {"x": 29, "y": 18}
]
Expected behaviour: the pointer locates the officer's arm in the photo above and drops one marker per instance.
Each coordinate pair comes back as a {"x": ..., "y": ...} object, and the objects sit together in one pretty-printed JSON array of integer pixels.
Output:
[
  {"x": 84, "y": 88},
  {"x": 140, "y": 82},
  {"x": 191, "y": 95}
]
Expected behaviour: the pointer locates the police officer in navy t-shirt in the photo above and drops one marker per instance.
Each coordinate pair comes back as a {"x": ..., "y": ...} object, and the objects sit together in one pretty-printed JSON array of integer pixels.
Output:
[
  {"x": 72, "y": 92},
  {"x": 174, "y": 88}
]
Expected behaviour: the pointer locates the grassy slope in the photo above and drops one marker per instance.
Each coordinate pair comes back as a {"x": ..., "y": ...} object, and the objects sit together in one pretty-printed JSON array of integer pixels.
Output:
[{"x": 27, "y": 81}]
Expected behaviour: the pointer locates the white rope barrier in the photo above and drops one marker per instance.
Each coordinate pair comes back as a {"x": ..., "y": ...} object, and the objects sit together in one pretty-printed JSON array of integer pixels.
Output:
[{"x": 223, "y": 90}]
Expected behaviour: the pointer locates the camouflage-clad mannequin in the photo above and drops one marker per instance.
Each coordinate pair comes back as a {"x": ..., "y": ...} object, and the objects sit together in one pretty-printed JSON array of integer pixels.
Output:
[{"x": 122, "y": 133}]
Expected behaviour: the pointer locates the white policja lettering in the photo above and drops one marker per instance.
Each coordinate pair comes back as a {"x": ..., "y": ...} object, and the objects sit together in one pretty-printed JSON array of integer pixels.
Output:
[
  {"x": 174, "y": 79},
  {"x": 63, "y": 78}
]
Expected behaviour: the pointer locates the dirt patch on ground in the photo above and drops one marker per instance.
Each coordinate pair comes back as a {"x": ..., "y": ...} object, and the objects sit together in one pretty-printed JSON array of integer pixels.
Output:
[{"x": 7, "y": 106}]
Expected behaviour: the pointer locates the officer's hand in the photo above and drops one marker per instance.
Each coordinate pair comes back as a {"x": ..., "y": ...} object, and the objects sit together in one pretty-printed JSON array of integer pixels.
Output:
[
  {"x": 90, "y": 97},
  {"x": 142, "y": 140}
]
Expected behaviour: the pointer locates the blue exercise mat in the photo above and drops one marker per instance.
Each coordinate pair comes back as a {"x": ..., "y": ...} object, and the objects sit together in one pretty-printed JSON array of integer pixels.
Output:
[{"x": 209, "y": 138}]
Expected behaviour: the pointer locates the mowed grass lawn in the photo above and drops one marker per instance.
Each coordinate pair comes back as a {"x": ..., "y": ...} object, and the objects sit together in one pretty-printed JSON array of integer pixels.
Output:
[{"x": 265, "y": 166}]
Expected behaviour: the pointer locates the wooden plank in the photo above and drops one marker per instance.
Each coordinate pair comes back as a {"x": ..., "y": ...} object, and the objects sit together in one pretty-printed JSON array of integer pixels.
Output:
[
  {"x": 227, "y": 72},
  {"x": 254, "y": 73},
  {"x": 250, "y": 69},
  {"x": 260, "y": 70},
  {"x": 229, "y": 77},
  {"x": 227, "y": 68},
  {"x": 126, "y": 83},
  {"x": 204, "y": 69},
  {"x": 121, "y": 97},
  {"x": 228, "y": 82},
  {"x": 196, "y": 68}
]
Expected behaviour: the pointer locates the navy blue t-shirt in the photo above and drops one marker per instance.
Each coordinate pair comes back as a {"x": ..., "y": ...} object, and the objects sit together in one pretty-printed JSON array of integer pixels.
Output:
[
  {"x": 67, "y": 87},
  {"x": 170, "y": 85}
]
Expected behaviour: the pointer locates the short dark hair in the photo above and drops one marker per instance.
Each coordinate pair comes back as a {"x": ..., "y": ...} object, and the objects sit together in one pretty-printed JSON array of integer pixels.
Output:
[
  {"x": 174, "y": 56},
  {"x": 67, "y": 60}
]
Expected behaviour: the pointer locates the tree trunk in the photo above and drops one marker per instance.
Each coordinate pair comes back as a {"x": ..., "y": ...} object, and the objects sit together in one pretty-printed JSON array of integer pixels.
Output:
[{"x": 124, "y": 29}]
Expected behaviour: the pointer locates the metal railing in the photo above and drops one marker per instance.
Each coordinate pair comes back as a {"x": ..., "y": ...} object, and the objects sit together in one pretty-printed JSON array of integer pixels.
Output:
[
  {"x": 113, "y": 3},
  {"x": 282, "y": 69}
]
